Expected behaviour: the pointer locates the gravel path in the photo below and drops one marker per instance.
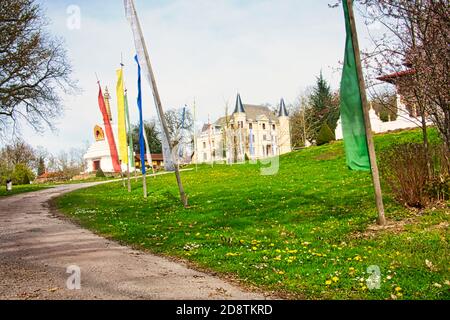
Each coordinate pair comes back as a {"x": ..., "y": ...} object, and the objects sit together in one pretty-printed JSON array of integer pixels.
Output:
[{"x": 36, "y": 248}]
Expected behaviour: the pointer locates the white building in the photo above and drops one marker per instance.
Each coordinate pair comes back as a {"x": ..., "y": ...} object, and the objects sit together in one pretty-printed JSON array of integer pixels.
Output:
[
  {"x": 98, "y": 155},
  {"x": 252, "y": 132},
  {"x": 405, "y": 120}
]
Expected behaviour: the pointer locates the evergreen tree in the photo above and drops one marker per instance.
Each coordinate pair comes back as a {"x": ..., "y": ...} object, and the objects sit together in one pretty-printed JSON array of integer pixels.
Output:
[
  {"x": 321, "y": 96},
  {"x": 325, "y": 135},
  {"x": 153, "y": 136},
  {"x": 323, "y": 107},
  {"x": 41, "y": 167}
]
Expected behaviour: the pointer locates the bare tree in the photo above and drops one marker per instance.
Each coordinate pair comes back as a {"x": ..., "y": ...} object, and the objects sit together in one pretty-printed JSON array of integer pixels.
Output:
[
  {"x": 415, "y": 48},
  {"x": 34, "y": 68},
  {"x": 18, "y": 152},
  {"x": 178, "y": 126},
  {"x": 301, "y": 128}
]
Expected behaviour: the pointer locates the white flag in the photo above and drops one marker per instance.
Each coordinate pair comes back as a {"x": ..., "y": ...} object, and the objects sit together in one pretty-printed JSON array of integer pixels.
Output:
[{"x": 144, "y": 61}]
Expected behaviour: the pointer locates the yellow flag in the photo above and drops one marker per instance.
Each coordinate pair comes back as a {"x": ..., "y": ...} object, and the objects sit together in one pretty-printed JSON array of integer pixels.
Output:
[{"x": 123, "y": 146}]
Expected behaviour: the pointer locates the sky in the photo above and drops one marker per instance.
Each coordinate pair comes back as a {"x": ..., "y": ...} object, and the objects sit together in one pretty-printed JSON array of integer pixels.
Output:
[{"x": 202, "y": 50}]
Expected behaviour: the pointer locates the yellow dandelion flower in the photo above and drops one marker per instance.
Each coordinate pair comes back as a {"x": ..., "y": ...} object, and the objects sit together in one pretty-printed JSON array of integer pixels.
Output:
[
  {"x": 254, "y": 248},
  {"x": 328, "y": 282},
  {"x": 398, "y": 289},
  {"x": 335, "y": 279},
  {"x": 231, "y": 254}
]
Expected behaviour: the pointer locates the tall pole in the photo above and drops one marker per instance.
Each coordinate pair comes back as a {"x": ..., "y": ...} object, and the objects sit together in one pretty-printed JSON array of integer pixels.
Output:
[
  {"x": 368, "y": 126},
  {"x": 127, "y": 124},
  {"x": 144, "y": 181},
  {"x": 195, "y": 137},
  {"x": 158, "y": 103}
]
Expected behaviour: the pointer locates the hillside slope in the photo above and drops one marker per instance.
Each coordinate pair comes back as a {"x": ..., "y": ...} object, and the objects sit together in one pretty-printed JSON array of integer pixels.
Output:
[{"x": 302, "y": 232}]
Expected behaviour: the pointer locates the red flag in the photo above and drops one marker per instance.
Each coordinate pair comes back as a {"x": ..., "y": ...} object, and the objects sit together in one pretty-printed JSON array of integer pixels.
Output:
[{"x": 109, "y": 132}]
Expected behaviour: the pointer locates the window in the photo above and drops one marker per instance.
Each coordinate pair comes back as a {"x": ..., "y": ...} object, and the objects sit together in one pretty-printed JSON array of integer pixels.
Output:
[
  {"x": 250, "y": 126},
  {"x": 264, "y": 128},
  {"x": 264, "y": 137},
  {"x": 273, "y": 127},
  {"x": 204, "y": 145},
  {"x": 205, "y": 157}
]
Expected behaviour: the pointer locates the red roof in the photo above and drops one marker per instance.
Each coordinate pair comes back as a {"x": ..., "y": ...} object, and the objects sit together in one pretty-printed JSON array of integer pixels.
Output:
[
  {"x": 392, "y": 77},
  {"x": 155, "y": 157}
]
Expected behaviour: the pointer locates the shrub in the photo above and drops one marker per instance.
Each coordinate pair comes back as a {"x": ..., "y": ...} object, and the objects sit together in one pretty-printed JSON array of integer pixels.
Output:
[
  {"x": 325, "y": 135},
  {"x": 5, "y": 174},
  {"x": 404, "y": 167},
  {"x": 100, "y": 174},
  {"x": 22, "y": 175}
]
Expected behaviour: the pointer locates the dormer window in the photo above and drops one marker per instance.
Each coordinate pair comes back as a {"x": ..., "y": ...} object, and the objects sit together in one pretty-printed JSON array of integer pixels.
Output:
[{"x": 264, "y": 126}]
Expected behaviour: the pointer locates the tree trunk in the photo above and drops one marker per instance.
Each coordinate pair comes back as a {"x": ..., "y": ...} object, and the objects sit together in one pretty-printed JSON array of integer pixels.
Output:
[{"x": 425, "y": 142}]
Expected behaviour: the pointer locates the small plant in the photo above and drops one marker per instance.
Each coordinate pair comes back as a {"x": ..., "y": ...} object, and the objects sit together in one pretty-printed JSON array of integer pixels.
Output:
[
  {"x": 22, "y": 175},
  {"x": 405, "y": 169},
  {"x": 325, "y": 135},
  {"x": 100, "y": 174}
]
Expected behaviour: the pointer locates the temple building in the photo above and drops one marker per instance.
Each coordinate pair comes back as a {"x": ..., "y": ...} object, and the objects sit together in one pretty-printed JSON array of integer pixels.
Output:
[
  {"x": 252, "y": 132},
  {"x": 98, "y": 155},
  {"x": 407, "y": 117}
]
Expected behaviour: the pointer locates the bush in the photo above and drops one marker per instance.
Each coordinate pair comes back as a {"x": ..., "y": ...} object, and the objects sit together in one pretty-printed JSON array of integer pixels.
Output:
[
  {"x": 22, "y": 175},
  {"x": 405, "y": 169},
  {"x": 100, "y": 174},
  {"x": 325, "y": 135},
  {"x": 5, "y": 174}
]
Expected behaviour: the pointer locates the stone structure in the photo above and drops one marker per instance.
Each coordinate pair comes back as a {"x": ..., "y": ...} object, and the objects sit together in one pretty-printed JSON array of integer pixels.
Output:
[{"x": 251, "y": 132}]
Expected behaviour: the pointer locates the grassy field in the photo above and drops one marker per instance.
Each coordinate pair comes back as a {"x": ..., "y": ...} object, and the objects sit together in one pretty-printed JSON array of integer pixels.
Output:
[
  {"x": 22, "y": 189},
  {"x": 303, "y": 233}
]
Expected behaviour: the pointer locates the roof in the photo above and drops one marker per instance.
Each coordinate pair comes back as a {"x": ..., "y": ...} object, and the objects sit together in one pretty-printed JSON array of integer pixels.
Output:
[
  {"x": 155, "y": 157},
  {"x": 391, "y": 78},
  {"x": 253, "y": 112},
  {"x": 239, "y": 106},
  {"x": 283, "y": 111}
]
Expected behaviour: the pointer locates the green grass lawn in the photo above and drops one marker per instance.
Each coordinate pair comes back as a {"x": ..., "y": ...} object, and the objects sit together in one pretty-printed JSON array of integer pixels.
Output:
[
  {"x": 301, "y": 233},
  {"x": 22, "y": 189}
]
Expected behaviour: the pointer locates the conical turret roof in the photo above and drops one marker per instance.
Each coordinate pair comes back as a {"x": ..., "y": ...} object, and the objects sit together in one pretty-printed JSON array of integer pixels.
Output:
[
  {"x": 283, "y": 111},
  {"x": 239, "y": 106}
]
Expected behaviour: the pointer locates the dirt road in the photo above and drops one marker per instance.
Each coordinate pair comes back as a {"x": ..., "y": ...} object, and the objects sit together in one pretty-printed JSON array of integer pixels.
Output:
[{"x": 36, "y": 247}]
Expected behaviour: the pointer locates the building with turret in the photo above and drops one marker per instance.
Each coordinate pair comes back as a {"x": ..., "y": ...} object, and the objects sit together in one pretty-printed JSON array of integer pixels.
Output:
[{"x": 252, "y": 132}]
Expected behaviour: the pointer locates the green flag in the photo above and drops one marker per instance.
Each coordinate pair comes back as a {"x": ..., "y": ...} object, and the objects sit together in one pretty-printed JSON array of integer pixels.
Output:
[{"x": 352, "y": 117}]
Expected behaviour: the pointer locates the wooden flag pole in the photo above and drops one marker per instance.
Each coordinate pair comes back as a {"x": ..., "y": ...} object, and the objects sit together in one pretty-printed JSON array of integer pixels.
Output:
[
  {"x": 369, "y": 135},
  {"x": 195, "y": 137},
  {"x": 128, "y": 149},
  {"x": 183, "y": 196},
  {"x": 144, "y": 180}
]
